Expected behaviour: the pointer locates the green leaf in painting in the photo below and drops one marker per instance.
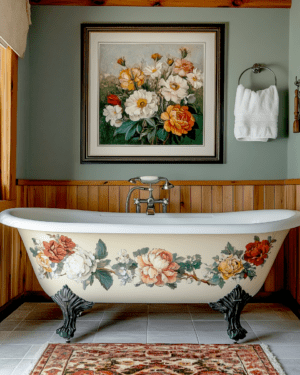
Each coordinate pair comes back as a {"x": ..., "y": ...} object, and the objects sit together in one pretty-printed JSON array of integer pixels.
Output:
[
  {"x": 151, "y": 136},
  {"x": 130, "y": 133},
  {"x": 256, "y": 238},
  {"x": 124, "y": 127},
  {"x": 105, "y": 278},
  {"x": 162, "y": 134},
  {"x": 150, "y": 121},
  {"x": 101, "y": 251}
]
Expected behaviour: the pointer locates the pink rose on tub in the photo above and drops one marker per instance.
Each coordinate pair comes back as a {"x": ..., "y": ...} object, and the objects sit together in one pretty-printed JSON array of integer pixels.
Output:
[{"x": 157, "y": 267}]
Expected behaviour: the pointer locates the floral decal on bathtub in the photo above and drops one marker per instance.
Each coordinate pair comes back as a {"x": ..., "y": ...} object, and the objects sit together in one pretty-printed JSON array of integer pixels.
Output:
[{"x": 60, "y": 256}]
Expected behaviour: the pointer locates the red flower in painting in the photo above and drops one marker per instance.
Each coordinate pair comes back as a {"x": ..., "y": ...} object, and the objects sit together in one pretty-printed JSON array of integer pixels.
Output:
[
  {"x": 113, "y": 100},
  {"x": 54, "y": 251},
  {"x": 257, "y": 252},
  {"x": 67, "y": 243}
]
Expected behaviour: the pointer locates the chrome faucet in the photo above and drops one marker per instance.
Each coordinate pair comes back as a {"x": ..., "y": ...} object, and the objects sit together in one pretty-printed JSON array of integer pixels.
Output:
[{"x": 148, "y": 180}]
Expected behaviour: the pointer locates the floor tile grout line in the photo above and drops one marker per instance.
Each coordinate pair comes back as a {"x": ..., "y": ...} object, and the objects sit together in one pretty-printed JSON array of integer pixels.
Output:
[{"x": 194, "y": 326}]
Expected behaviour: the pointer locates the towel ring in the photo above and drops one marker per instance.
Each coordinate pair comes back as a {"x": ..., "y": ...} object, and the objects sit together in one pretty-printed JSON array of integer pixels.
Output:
[{"x": 256, "y": 68}]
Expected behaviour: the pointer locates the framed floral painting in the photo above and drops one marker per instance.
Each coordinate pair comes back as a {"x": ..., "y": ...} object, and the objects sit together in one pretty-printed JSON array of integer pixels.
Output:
[{"x": 152, "y": 94}]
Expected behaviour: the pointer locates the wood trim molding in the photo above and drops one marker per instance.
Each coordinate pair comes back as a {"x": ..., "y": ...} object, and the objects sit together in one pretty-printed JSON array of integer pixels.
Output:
[
  {"x": 127, "y": 183},
  {"x": 4, "y": 205},
  {"x": 173, "y": 3},
  {"x": 9, "y": 126}
]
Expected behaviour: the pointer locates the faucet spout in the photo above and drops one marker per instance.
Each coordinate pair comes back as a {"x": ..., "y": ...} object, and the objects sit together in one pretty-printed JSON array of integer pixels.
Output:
[{"x": 129, "y": 195}]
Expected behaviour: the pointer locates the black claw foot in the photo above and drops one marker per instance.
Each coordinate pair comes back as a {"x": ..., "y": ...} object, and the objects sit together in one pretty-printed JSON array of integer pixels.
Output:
[
  {"x": 72, "y": 306},
  {"x": 231, "y": 306}
]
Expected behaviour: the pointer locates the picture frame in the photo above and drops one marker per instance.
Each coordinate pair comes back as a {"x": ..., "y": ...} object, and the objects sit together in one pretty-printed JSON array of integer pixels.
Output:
[{"x": 152, "y": 93}]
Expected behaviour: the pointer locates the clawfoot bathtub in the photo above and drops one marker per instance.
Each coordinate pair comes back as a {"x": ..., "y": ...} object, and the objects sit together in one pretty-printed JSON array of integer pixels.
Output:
[{"x": 82, "y": 257}]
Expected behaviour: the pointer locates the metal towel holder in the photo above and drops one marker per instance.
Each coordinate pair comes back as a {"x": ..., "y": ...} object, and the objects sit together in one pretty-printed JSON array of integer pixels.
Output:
[{"x": 256, "y": 68}]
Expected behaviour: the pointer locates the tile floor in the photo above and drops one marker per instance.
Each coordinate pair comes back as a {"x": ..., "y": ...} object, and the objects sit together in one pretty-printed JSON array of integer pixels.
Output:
[{"x": 23, "y": 333}]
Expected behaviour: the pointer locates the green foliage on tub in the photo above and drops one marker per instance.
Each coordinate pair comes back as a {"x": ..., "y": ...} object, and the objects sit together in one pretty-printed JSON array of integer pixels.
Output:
[{"x": 59, "y": 256}]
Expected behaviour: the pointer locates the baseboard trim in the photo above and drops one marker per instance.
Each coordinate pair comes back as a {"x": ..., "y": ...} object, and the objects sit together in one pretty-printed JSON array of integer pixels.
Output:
[{"x": 11, "y": 306}]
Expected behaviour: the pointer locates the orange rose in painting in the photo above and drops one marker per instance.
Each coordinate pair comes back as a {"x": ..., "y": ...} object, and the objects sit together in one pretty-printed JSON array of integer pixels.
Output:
[
  {"x": 128, "y": 77},
  {"x": 157, "y": 267},
  {"x": 178, "y": 120},
  {"x": 54, "y": 251},
  {"x": 182, "y": 67},
  {"x": 257, "y": 252},
  {"x": 113, "y": 100}
]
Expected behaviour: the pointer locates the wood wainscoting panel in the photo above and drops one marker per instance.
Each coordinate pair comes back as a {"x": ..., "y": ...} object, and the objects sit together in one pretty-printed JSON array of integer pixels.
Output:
[{"x": 186, "y": 196}]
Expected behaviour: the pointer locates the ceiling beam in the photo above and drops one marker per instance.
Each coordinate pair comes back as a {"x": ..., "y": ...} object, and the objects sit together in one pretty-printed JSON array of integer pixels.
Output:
[{"x": 173, "y": 3}]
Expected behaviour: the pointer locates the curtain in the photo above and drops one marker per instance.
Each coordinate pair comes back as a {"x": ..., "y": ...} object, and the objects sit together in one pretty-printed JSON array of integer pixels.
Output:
[{"x": 14, "y": 24}]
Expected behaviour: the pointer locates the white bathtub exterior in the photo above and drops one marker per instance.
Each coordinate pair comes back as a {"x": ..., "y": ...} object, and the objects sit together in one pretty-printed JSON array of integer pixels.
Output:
[{"x": 169, "y": 243}]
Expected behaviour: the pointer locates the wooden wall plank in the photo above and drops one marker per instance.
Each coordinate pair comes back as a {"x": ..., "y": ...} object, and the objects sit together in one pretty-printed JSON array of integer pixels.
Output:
[
  {"x": 248, "y": 193},
  {"x": 206, "y": 199},
  {"x": 259, "y": 194},
  {"x": 172, "y": 3},
  {"x": 227, "y": 198},
  {"x": 72, "y": 197},
  {"x": 36, "y": 196},
  {"x": 103, "y": 198},
  {"x": 290, "y": 197},
  {"x": 61, "y": 196},
  {"x": 82, "y": 198},
  {"x": 175, "y": 199},
  {"x": 217, "y": 198},
  {"x": 238, "y": 198},
  {"x": 124, "y": 190},
  {"x": 51, "y": 196},
  {"x": 113, "y": 199},
  {"x": 269, "y": 197},
  {"x": 279, "y": 197},
  {"x": 93, "y": 198},
  {"x": 185, "y": 199},
  {"x": 196, "y": 199}
]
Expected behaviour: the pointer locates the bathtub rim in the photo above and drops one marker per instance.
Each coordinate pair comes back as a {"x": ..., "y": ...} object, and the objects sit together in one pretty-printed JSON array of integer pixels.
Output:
[{"x": 7, "y": 218}]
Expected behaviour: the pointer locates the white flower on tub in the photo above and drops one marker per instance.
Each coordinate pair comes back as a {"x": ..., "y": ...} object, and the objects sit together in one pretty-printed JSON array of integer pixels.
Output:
[
  {"x": 123, "y": 257},
  {"x": 126, "y": 274},
  {"x": 80, "y": 265}
]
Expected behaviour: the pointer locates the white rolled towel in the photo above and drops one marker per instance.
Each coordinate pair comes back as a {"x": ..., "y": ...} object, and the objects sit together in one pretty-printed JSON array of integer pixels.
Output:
[{"x": 256, "y": 114}]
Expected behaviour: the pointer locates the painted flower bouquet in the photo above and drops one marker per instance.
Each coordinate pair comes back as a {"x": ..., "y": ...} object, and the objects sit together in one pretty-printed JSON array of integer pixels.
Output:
[{"x": 158, "y": 104}]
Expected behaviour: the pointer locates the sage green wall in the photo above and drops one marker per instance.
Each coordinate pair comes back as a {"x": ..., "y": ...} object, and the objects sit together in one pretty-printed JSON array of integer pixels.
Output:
[
  {"x": 53, "y": 122},
  {"x": 293, "y": 152}
]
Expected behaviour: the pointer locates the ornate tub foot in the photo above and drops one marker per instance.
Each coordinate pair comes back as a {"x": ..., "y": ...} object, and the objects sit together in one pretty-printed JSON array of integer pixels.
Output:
[
  {"x": 72, "y": 306},
  {"x": 231, "y": 306}
]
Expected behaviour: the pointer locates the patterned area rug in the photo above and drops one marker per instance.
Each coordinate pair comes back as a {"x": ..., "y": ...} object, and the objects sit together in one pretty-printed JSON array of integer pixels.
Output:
[{"x": 156, "y": 359}]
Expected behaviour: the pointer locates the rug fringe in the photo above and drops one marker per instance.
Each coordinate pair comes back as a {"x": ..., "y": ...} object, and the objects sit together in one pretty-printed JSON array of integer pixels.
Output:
[
  {"x": 28, "y": 369},
  {"x": 274, "y": 361}
]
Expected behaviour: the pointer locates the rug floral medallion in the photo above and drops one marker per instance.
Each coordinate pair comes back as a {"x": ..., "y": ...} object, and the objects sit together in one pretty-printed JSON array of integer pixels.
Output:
[{"x": 154, "y": 359}]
